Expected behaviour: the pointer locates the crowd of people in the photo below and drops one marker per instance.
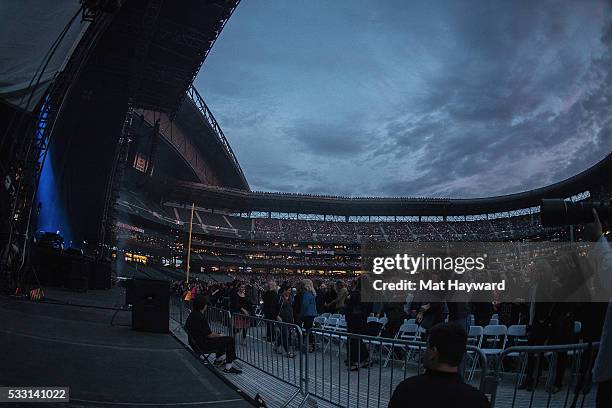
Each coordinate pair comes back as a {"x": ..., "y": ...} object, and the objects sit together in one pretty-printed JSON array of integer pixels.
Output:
[
  {"x": 298, "y": 300},
  {"x": 371, "y": 231}
]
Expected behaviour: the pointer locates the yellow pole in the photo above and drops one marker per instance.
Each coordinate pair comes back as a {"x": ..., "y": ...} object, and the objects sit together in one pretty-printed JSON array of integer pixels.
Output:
[{"x": 189, "y": 244}]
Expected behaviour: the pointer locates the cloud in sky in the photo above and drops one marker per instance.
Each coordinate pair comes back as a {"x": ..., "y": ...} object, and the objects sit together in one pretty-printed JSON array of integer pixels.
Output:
[{"x": 450, "y": 99}]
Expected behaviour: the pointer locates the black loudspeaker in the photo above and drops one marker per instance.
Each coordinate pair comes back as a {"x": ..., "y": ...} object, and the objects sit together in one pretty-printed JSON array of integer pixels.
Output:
[
  {"x": 76, "y": 273},
  {"x": 129, "y": 291},
  {"x": 49, "y": 265},
  {"x": 100, "y": 275},
  {"x": 150, "y": 305}
]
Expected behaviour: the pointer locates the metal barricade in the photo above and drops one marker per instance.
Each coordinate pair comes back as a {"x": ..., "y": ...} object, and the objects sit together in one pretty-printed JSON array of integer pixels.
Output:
[
  {"x": 219, "y": 320},
  {"x": 565, "y": 371},
  {"x": 273, "y": 347},
  {"x": 179, "y": 309},
  {"x": 348, "y": 369}
]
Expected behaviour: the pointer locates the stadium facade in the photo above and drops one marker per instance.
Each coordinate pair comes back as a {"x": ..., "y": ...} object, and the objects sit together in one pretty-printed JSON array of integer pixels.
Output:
[
  {"x": 135, "y": 146},
  {"x": 237, "y": 230}
]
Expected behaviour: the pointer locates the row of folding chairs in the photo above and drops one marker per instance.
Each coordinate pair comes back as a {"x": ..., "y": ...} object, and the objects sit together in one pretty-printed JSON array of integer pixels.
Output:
[
  {"x": 335, "y": 323},
  {"x": 334, "y": 315},
  {"x": 494, "y": 339}
]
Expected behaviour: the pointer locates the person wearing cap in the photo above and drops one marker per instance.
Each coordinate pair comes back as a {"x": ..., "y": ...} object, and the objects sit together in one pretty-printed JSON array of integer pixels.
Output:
[{"x": 206, "y": 340}]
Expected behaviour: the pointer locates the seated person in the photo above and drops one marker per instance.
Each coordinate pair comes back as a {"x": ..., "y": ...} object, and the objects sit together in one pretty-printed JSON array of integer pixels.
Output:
[
  {"x": 441, "y": 386},
  {"x": 206, "y": 340}
]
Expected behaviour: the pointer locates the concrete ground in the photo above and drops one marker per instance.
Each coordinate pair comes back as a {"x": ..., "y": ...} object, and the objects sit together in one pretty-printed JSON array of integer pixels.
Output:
[{"x": 61, "y": 344}]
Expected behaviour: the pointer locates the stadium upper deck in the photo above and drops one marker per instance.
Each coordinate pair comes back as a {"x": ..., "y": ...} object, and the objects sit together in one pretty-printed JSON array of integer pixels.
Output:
[{"x": 596, "y": 179}]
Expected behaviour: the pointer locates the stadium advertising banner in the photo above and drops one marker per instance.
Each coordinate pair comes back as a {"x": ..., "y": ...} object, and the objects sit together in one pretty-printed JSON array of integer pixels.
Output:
[{"x": 482, "y": 272}]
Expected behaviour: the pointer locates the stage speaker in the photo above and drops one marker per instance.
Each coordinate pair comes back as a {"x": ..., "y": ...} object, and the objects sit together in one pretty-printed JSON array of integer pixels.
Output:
[
  {"x": 150, "y": 305},
  {"x": 129, "y": 292},
  {"x": 49, "y": 265},
  {"x": 100, "y": 275},
  {"x": 76, "y": 273}
]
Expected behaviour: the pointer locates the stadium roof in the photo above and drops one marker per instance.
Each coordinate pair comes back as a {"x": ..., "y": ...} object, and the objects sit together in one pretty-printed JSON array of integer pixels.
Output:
[
  {"x": 245, "y": 201},
  {"x": 155, "y": 49},
  {"x": 196, "y": 120}
]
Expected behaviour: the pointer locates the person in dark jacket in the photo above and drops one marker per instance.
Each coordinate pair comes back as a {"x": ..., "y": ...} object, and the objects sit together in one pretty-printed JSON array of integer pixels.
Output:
[
  {"x": 395, "y": 317},
  {"x": 270, "y": 308},
  {"x": 357, "y": 313},
  {"x": 206, "y": 340},
  {"x": 297, "y": 304},
  {"x": 321, "y": 289},
  {"x": 328, "y": 299},
  {"x": 240, "y": 305},
  {"x": 440, "y": 386},
  {"x": 285, "y": 315}
]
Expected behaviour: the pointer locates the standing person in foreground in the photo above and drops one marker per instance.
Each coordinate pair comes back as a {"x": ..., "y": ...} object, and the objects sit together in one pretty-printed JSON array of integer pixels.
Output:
[
  {"x": 357, "y": 313},
  {"x": 206, "y": 340},
  {"x": 270, "y": 308},
  {"x": 308, "y": 309},
  {"x": 285, "y": 315},
  {"x": 240, "y": 305},
  {"x": 440, "y": 386}
]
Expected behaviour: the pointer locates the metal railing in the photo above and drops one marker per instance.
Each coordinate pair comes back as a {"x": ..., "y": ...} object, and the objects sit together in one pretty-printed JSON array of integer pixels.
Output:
[
  {"x": 349, "y": 369},
  {"x": 566, "y": 370},
  {"x": 198, "y": 101},
  {"x": 220, "y": 320},
  {"x": 179, "y": 309},
  {"x": 273, "y": 347}
]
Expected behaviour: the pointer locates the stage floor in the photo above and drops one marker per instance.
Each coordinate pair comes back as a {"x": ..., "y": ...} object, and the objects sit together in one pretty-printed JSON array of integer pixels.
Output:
[{"x": 44, "y": 344}]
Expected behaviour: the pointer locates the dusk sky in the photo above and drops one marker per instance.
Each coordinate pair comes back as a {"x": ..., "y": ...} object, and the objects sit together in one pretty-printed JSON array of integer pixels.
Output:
[{"x": 413, "y": 98}]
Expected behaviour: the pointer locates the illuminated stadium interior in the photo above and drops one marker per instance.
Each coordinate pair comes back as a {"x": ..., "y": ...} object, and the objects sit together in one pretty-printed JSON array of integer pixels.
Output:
[
  {"x": 206, "y": 203},
  {"x": 237, "y": 230}
]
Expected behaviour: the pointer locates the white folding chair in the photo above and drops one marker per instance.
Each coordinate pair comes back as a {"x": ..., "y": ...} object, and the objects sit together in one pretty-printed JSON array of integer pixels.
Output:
[
  {"x": 475, "y": 335},
  {"x": 493, "y": 340},
  {"x": 517, "y": 336},
  {"x": 407, "y": 331},
  {"x": 319, "y": 321},
  {"x": 576, "y": 355},
  {"x": 388, "y": 347},
  {"x": 330, "y": 324},
  {"x": 342, "y": 338}
]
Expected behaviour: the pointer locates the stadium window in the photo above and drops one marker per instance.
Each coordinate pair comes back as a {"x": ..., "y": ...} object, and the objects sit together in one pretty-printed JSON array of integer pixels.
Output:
[
  {"x": 431, "y": 218},
  {"x": 140, "y": 162}
]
